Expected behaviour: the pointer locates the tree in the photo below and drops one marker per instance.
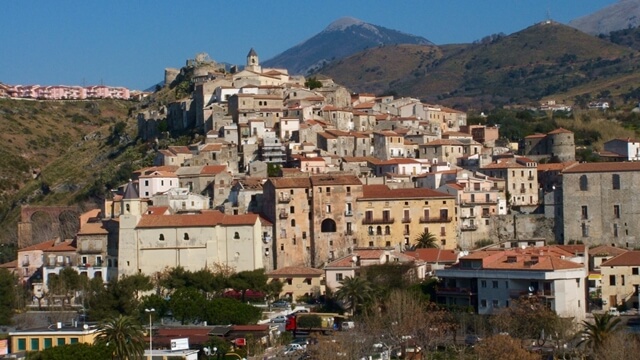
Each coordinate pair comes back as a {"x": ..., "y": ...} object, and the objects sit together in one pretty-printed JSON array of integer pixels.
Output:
[
  {"x": 249, "y": 280},
  {"x": 596, "y": 333},
  {"x": 355, "y": 292},
  {"x": 527, "y": 318},
  {"x": 8, "y": 283},
  {"x": 123, "y": 336},
  {"x": 313, "y": 83},
  {"x": 66, "y": 284},
  {"x": 426, "y": 240},
  {"x": 230, "y": 311},
  {"x": 503, "y": 347},
  {"x": 187, "y": 304}
]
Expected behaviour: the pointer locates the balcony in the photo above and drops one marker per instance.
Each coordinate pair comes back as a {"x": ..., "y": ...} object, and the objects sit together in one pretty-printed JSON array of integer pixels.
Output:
[
  {"x": 406, "y": 232},
  {"x": 424, "y": 220},
  {"x": 284, "y": 198},
  {"x": 516, "y": 294},
  {"x": 348, "y": 232},
  {"x": 456, "y": 291},
  {"x": 406, "y": 220},
  {"x": 283, "y": 215},
  {"x": 530, "y": 178},
  {"x": 25, "y": 263},
  {"x": 443, "y": 233},
  {"x": 348, "y": 213},
  {"x": 486, "y": 215},
  {"x": 378, "y": 221},
  {"x": 469, "y": 227},
  {"x": 468, "y": 216},
  {"x": 522, "y": 191},
  {"x": 466, "y": 203}
]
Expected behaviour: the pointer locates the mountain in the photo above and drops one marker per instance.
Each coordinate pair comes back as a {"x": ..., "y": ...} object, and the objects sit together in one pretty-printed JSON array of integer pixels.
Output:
[
  {"x": 341, "y": 38},
  {"x": 546, "y": 59},
  {"x": 622, "y": 15}
]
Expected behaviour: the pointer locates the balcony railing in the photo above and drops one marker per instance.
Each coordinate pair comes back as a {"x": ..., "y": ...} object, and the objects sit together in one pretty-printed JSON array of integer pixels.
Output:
[
  {"x": 469, "y": 227},
  {"x": 284, "y": 215},
  {"x": 443, "y": 233},
  {"x": 348, "y": 213},
  {"x": 468, "y": 216},
  {"x": 530, "y": 178},
  {"x": 424, "y": 220},
  {"x": 486, "y": 215},
  {"x": 378, "y": 221},
  {"x": 348, "y": 232},
  {"x": 456, "y": 291},
  {"x": 522, "y": 191},
  {"x": 284, "y": 198},
  {"x": 466, "y": 203},
  {"x": 406, "y": 220},
  {"x": 515, "y": 294}
]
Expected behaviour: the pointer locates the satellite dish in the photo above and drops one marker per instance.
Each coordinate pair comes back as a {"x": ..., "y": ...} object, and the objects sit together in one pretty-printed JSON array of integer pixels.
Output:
[{"x": 531, "y": 289}]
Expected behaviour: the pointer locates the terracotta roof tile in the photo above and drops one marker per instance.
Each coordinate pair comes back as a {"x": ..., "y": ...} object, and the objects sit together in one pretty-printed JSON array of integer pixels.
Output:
[
  {"x": 606, "y": 250},
  {"x": 629, "y": 258},
  {"x": 65, "y": 246},
  {"x": 213, "y": 169},
  {"x": 286, "y": 183},
  {"x": 434, "y": 255},
  {"x": 603, "y": 167},
  {"x": 384, "y": 192},
  {"x": 560, "y": 131},
  {"x": 296, "y": 271},
  {"x": 322, "y": 180}
]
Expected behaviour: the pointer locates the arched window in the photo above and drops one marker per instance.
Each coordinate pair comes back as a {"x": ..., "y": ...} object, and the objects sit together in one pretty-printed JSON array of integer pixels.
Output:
[
  {"x": 370, "y": 230},
  {"x": 387, "y": 230},
  {"x": 161, "y": 237},
  {"x": 236, "y": 235},
  {"x": 584, "y": 183},
  {"x": 186, "y": 236},
  {"x": 293, "y": 222},
  {"x": 379, "y": 230},
  {"x": 127, "y": 208},
  {"x": 328, "y": 225}
]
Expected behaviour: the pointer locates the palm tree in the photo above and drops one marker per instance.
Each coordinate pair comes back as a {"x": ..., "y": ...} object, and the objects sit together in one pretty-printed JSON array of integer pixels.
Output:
[
  {"x": 426, "y": 240},
  {"x": 355, "y": 292},
  {"x": 123, "y": 336},
  {"x": 594, "y": 335}
]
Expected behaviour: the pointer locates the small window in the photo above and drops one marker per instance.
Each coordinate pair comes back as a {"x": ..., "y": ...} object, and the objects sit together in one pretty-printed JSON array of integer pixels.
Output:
[
  {"x": 339, "y": 277},
  {"x": 186, "y": 236},
  {"x": 483, "y": 284},
  {"x": 161, "y": 237},
  {"x": 483, "y": 303},
  {"x": 634, "y": 271},
  {"x": 22, "y": 344},
  {"x": 236, "y": 235},
  {"x": 615, "y": 181},
  {"x": 584, "y": 183},
  {"x": 495, "y": 284},
  {"x": 612, "y": 280}
]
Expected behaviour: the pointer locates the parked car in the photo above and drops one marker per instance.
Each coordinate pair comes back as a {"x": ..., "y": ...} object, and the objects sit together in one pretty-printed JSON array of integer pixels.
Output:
[
  {"x": 280, "y": 319},
  {"x": 300, "y": 341},
  {"x": 280, "y": 304},
  {"x": 293, "y": 348},
  {"x": 614, "y": 312}
]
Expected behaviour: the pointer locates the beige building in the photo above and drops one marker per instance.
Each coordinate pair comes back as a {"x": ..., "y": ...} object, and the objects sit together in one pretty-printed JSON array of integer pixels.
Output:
[
  {"x": 620, "y": 280},
  {"x": 521, "y": 177},
  {"x": 299, "y": 281},
  {"x": 155, "y": 238},
  {"x": 396, "y": 217}
]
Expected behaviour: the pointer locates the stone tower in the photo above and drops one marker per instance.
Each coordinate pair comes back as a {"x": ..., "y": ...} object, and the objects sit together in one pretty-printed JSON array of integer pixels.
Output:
[{"x": 253, "y": 63}]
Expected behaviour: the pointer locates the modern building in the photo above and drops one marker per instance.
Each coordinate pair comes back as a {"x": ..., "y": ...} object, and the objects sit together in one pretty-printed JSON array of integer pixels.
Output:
[
  {"x": 492, "y": 279},
  {"x": 58, "y": 334}
]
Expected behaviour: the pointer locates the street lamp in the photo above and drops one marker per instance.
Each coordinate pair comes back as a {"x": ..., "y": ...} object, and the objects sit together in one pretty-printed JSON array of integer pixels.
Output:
[{"x": 150, "y": 312}]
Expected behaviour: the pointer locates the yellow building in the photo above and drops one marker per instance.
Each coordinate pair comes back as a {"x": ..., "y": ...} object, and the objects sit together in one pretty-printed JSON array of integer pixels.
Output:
[
  {"x": 299, "y": 281},
  {"x": 396, "y": 217},
  {"x": 54, "y": 335}
]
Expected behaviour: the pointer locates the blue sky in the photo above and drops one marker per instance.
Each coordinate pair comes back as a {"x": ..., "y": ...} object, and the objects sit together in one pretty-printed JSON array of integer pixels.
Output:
[{"x": 129, "y": 43}]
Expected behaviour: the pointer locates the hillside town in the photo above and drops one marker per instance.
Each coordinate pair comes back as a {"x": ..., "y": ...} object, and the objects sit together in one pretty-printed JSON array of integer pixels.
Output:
[{"x": 313, "y": 184}]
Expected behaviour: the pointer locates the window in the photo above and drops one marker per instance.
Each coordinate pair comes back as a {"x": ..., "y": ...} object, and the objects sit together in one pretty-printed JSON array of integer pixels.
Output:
[
  {"x": 328, "y": 208},
  {"x": 496, "y": 303},
  {"x": 634, "y": 271},
  {"x": 22, "y": 344},
  {"x": 236, "y": 235},
  {"x": 304, "y": 234},
  {"x": 483, "y": 284},
  {"x": 292, "y": 209},
  {"x": 483, "y": 303},
  {"x": 328, "y": 225},
  {"x": 616, "y": 211},
  {"x": 615, "y": 182},
  {"x": 585, "y": 230},
  {"x": 612, "y": 280},
  {"x": 370, "y": 230},
  {"x": 379, "y": 230},
  {"x": 48, "y": 342},
  {"x": 293, "y": 222},
  {"x": 584, "y": 183},
  {"x": 495, "y": 284},
  {"x": 35, "y": 344},
  {"x": 615, "y": 230},
  {"x": 60, "y": 341},
  {"x": 186, "y": 236},
  {"x": 585, "y": 212},
  {"x": 339, "y": 277},
  {"x": 622, "y": 280}
]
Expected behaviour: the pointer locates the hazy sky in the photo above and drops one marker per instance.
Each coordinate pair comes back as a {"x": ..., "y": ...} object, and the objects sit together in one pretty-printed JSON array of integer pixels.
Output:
[{"x": 129, "y": 43}]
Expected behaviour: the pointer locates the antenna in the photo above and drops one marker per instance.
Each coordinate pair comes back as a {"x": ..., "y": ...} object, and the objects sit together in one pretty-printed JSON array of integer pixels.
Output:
[{"x": 548, "y": 16}]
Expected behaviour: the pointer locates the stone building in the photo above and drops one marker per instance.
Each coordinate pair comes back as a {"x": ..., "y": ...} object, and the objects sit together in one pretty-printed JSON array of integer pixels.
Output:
[
  {"x": 558, "y": 144},
  {"x": 620, "y": 281},
  {"x": 521, "y": 177},
  {"x": 600, "y": 203}
]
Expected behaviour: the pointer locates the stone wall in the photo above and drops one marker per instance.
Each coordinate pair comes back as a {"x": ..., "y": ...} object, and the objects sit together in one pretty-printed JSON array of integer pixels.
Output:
[{"x": 522, "y": 226}]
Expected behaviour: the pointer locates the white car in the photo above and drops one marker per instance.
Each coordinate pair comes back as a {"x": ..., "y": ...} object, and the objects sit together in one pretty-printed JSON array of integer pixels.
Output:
[
  {"x": 293, "y": 348},
  {"x": 280, "y": 319},
  {"x": 614, "y": 312}
]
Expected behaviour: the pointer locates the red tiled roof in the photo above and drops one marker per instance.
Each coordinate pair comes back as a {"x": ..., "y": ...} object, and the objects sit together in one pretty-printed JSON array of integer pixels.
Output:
[
  {"x": 560, "y": 131},
  {"x": 629, "y": 258},
  {"x": 384, "y": 192},
  {"x": 40, "y": 246},
  {"x": 535, "y": 136},
  {"x": 296, "y": 271},
  {"x": 213, "y": 169},
  {"x": 606, "y": 250},
  {"x": 322, "y": 180},
  {"x": 285, "y": 183},
  {"x": 603, "y": 167},
  {"x": 204, "y": 219},
  {"x": 434, "y": 255},
  {"x": 64, "y": 246},
  {"x": 10, "y": 265}
]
